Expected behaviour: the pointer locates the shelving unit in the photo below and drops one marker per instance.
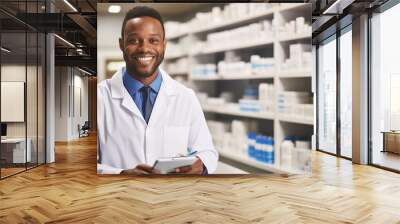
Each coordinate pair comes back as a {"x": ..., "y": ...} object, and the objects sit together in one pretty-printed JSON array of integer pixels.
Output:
[
  {"x": 178, "y": 73},
  {"x": 247, "y": 45},
  {"x": 175, "y": 56},
  {"x": 245, "y": 159},
  {"x": 282, "y": 79},
  {"x": 295, "y": 120},
  {"x": 237, "y": 112},
  {"x": 238, "y": 21},
  {"x": 301, "y": 73},
  {"x": 171, "y": 37},
  {"x": 234, "y": 77},
  {"x": 224, "y": 24}
]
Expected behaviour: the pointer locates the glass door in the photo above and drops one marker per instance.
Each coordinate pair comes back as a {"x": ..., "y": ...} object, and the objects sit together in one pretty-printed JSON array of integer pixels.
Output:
[
  {"x": 22, "y": 77},
  {"x": 327, "y": 95},
  {"x": 385, "y": 89},
  {"x": 345, "y": 43}
]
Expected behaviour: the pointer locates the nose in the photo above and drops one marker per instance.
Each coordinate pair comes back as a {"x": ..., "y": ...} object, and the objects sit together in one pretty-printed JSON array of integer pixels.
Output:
[{"x": 143, "y": 46}]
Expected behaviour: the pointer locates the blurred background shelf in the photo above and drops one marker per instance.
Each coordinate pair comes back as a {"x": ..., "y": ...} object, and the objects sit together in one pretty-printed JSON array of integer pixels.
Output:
[
  {"x": 237, "y": 112},
  {"x": 234, "y": 77},
  {"x": 243, "y": 158},
  {"x": 295, "y": 73},
  {"x": 234, "y": 22},
  {"x": 295, "y": 120},
  {"x": 237, "y": 47}
]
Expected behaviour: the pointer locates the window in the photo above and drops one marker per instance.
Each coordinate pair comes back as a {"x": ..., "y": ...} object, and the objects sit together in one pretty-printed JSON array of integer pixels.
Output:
[
  {"x": 22, "y": 102},
  {"x": 346, "y": 92},
  {"x": 327, "y": 95},
  {"x": 385, "y": 89}
]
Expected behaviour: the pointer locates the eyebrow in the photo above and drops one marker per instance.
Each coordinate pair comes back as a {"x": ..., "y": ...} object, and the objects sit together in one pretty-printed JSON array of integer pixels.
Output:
[{"x": 134, "y": 33}]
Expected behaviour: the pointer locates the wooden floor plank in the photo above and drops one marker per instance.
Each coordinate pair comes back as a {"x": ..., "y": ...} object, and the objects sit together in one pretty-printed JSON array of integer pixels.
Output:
[{"x": 70, "y": 191}]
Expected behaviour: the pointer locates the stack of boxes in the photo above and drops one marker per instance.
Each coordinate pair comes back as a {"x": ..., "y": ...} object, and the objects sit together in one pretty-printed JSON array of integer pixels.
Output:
[
  {"x": 180, "y": 66},
  {"x": 295, "y": 105},
  {"x": 231, "y": 137},
  {"x": 261, "y": 148},
  {"x": 203, "y": 71},
  {"x": 266, "y": 97},
  {"x": 260, "y": 65},
  {"x": 300, "y": 57},
  {"x": 295, "y": 27},
  {"x": 240, "y": 36}
]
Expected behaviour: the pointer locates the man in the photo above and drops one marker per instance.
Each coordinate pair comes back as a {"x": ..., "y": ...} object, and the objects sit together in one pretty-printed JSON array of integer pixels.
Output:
[{"x": 143, "y": 114}]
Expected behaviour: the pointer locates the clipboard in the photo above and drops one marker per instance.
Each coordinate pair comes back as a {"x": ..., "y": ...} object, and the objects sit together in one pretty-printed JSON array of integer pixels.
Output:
[{"x": 168, "y": 165}]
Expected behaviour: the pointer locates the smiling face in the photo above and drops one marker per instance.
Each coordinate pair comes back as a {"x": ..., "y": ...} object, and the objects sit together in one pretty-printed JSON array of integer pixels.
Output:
[{"x": 143, "y": 46}]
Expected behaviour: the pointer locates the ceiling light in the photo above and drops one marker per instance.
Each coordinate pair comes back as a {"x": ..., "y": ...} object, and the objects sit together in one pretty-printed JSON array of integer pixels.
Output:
[
  {"x": 337, "y": 7},
  {"x": 70, "y": 5},
  {"x": 5, "y": 50},
  {"x": 114, "y": 9},
  {"x": 64, "y": 40}
]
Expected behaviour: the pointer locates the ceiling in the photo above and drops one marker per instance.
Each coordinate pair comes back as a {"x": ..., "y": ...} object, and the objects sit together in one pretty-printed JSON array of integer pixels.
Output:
[
  {"x": 167, "y": 10},
  {"x": 72, "y": 20}
]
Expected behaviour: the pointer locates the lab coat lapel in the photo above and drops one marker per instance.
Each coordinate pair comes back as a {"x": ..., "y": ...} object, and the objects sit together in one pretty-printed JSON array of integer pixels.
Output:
[
  {"x": 130, "y": 105},
  {"x": 164, "y": 99},
  {"x": 119, "y": 92}
]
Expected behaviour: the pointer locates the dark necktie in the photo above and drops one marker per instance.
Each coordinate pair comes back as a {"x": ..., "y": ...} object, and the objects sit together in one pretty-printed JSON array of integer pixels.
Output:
[{"x": 146, "y": 104}]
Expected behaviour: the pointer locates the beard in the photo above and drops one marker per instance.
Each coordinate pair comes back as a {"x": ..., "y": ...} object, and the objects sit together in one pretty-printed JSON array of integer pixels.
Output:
[{"x": 134, "y": 67}]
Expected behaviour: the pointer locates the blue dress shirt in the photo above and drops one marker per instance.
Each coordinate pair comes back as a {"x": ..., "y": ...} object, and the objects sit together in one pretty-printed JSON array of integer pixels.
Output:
[{"x": 133, "y": 86}]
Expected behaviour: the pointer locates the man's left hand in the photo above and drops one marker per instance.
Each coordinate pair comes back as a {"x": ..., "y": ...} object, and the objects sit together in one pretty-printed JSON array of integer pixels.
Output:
[{"x": 196, "y": 168}]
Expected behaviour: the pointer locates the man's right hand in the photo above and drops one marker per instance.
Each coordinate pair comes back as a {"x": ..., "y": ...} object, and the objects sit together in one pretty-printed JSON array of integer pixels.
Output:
[{"x": 141, "y": 169}]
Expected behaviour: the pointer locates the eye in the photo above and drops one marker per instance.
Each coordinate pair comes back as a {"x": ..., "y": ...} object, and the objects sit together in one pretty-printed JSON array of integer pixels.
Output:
[
  {"x": 133, "y": 41},
  {"x": 154, "y": 41}
]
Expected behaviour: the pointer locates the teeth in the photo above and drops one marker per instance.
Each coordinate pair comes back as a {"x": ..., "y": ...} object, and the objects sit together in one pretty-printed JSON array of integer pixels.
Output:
[{"x": 145, "y": 59}]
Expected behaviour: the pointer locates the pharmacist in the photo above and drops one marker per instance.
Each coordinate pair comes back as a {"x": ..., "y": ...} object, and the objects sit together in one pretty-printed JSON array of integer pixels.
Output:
[{"x": 142, "y": 113}]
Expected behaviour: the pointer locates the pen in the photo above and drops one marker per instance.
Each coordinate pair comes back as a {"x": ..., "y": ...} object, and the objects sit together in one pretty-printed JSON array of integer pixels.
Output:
[{"x": 191, "y": 153}]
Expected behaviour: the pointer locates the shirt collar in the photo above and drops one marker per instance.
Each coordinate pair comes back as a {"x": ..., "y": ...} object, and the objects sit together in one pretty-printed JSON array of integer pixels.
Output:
[{"x": 133, "y": 85}]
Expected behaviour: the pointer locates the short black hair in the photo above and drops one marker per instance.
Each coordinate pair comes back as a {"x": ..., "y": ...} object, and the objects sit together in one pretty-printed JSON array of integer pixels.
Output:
[{"x": 140, "y": 11}]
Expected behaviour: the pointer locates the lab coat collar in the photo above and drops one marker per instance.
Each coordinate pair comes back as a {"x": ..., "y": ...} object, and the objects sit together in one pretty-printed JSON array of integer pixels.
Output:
[
  {"x": 166, "y": 92},
  {"x": 118, "y": 89}
]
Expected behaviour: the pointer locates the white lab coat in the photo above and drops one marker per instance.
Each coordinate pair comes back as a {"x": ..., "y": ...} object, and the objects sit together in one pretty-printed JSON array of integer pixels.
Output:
[{"x": 176, "y": 124}]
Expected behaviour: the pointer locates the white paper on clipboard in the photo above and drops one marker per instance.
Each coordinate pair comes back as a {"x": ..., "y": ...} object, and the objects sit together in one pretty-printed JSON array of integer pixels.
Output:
[{"x": 168, "y": 165}]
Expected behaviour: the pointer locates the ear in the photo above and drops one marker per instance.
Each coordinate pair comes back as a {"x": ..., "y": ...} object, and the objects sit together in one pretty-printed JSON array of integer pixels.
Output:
[{"x": 121, "y": 44}]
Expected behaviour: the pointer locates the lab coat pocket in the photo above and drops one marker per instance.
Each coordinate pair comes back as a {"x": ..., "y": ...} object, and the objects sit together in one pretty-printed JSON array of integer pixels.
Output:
[{"x": 176, "y": 140}]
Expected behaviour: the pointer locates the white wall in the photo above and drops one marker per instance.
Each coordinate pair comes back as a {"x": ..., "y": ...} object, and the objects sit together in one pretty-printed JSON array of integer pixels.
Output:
[
  {"x": 67, "y": 81},
  {"x": 33, "y": 126},
  {"x": 15, "y": 73}
]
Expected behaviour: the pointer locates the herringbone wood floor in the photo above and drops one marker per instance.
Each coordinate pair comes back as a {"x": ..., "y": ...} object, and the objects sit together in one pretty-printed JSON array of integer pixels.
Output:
[{"x": 70, "y": 191}]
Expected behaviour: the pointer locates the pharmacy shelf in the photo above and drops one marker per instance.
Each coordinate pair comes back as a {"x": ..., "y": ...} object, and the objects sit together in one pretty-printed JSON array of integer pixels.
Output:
[
  {"x": 176, "y": 56},
  {"x": 237, "y": 47},
  {"x": 233, "y": 22},
  {"x": 291, "y": 6},
  {"x": 296, "y": 37},
  {"x": 301, "y": 73},
  {"x": 238, "y": 21},
  {"x": 206, "y": 78},
  {"x": 223, "y": 24},
  {"x": 295, "y": 120},
  {"x": 178, "y": 73},
  {"x": 245, "y": 159},
  {"x": 237, "y": 112},
  {"x": 280, "y": 124},
  {"x": 234, "y": 77},
  {"x": 295, "y": 73},
  {"x": 177, "y": 35}
]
